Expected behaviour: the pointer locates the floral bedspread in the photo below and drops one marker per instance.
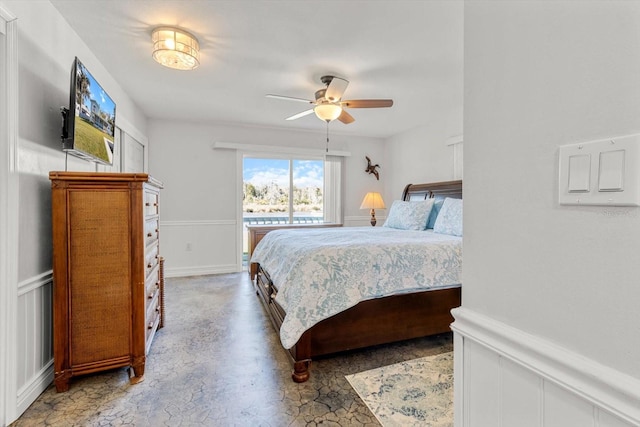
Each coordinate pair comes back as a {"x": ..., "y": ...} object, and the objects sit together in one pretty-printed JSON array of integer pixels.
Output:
[{"x": 321, "y": 272}]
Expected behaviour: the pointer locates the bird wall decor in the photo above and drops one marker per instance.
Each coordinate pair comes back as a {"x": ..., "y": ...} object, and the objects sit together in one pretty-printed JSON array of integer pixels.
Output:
[{"x": 372, "y": 169}]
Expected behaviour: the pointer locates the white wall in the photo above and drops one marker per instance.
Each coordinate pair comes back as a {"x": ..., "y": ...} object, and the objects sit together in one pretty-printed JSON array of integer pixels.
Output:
[
  {"x": 200, "y": 201},
  {"x": 539, "y": 75},
  {"x": 46, "y": 49},
  {"x": 421, "y": 155}
]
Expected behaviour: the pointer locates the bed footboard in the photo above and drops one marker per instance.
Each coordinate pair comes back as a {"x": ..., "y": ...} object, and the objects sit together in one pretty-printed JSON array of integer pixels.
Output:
[{"x": 372, "y": 322}]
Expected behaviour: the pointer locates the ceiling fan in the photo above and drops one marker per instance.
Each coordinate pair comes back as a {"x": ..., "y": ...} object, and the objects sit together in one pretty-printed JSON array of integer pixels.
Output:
[{"x": 329, "y": 105}]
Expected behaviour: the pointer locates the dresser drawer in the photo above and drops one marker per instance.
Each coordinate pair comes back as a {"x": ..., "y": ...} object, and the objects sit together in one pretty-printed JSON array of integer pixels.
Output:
[
  {"x": 151, "y": 258},
  {"x": 153, "y": 308},
  {"x": 151, "y": 231},
  {"x": 152, "y": 322},
  {"x": 152, "y": 281},
  {"x": 264, "y": 284},
  {"x": 150, "y": 203},
  {"x": 152, "y": 288}
]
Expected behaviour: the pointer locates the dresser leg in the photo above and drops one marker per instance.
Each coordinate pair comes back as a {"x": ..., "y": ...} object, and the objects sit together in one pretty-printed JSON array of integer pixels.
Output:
[
  {"x": 61, "y": 381},
  {"x": 136, "y": 372}
]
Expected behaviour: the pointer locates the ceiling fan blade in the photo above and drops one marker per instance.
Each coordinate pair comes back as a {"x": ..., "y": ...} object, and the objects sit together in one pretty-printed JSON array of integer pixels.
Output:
[
  {"x": 297, "y": 116},
  {"x": 335, "y": 89},
  {"x": 346, "y": 118},
  {"x": 367, "y": 103},
  {"x": 290, "y": 98}
]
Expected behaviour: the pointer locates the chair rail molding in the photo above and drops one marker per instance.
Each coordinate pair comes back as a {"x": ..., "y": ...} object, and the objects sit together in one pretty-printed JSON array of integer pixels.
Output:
[
  {"x": 197, "y": 222},
  {"x": 604, "y": 391}
]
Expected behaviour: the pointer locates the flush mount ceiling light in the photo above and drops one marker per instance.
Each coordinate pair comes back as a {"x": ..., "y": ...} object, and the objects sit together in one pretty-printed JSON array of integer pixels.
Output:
[{"x": 175, "y": 48}]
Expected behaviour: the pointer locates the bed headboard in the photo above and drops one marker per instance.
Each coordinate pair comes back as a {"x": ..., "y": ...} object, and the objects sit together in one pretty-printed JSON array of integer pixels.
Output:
[{"x": 436, "y": 189}]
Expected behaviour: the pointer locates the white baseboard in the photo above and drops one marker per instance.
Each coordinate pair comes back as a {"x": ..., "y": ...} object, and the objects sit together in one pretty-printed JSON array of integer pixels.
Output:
[
  {"x": 29, "y": 392},
  {"x": 200, "y": 270},
  {"x": 603, "y": 388}
]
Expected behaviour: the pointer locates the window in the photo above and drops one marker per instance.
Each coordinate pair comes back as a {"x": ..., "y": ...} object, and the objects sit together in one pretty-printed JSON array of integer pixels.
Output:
[
  {"x": 283, "y": 191},
  {"x": 290, "y": 189}
]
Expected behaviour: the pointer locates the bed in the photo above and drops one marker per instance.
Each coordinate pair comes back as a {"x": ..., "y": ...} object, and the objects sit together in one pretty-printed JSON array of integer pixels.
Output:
[{"x": 317, "y": 266}]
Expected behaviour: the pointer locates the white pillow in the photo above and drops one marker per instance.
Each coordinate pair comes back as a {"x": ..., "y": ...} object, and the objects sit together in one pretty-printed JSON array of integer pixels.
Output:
[
  {"x": 449, "y": 220},
  {"x": 409, "y": 215}
]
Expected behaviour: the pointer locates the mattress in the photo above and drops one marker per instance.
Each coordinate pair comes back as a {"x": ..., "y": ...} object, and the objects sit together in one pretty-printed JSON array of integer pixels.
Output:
[{"x": 321, "y": 272}]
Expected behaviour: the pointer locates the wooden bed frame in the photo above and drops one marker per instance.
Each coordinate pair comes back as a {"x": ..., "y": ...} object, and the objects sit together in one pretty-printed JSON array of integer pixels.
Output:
[{"x": 371, "y": 322}]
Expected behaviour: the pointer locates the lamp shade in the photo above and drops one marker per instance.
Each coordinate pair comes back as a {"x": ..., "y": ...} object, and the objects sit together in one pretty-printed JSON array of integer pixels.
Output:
[
  {"x": 372, "y": 201},
  {"x": 328, "y": 111},
  {"x": 175, "y": 48}
]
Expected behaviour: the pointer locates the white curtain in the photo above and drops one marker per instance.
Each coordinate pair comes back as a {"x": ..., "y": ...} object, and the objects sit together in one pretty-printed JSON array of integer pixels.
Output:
[{"x": 333, "y": 189}]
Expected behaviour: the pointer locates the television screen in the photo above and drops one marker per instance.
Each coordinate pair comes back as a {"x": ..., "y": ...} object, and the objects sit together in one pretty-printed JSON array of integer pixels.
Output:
[{"x": 91, "y": 120}]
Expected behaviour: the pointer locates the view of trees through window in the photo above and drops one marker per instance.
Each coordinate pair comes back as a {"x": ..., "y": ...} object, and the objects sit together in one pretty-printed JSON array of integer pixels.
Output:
[
  {"x": 281, "y": 191},
  {"x": 278, "y": 191}
]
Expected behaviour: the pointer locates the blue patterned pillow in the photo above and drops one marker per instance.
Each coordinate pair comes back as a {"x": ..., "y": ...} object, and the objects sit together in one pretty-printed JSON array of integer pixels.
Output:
[
  {"x": 449, "y": 219},
  {"x": 409, "y": 215},
  {"x": 434, "y": 211}
]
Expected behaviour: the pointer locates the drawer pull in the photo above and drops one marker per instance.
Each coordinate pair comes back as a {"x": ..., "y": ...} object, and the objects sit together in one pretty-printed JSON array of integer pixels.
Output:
[
  {"x": 147, "y": 204},
  {"x": 157, "y": 309},
  {"x": 156, "y": 256},
  {"x": 157, "y": 230},
  {"x": 149, "y": 234},
  {"x": 149, "y": 265},
  {"x": 150, "y": 325},
  {"x": 155, "y": 204},
  {"x": 150, "y": 295},
  {"x": 158, "y": 285}
]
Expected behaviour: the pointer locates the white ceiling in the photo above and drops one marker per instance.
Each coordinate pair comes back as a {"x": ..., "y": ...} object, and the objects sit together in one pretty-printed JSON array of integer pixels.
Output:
[{"x": 410, "y": 51}]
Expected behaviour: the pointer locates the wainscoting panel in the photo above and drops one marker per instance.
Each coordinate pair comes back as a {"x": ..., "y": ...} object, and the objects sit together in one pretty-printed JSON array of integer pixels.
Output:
[
  {"x": 484, "y": 386},
  {"x": 524, "y": 406},
  {"x": 562, "y": 409},
  {"x": 34, "y": 338},
  {"x": 507, "y": 378},
  {"x": 193, "y": 248}
]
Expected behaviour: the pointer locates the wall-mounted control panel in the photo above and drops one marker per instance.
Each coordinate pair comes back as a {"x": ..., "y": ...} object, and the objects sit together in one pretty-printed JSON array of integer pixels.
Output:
[{"x": 605, "y": 172}]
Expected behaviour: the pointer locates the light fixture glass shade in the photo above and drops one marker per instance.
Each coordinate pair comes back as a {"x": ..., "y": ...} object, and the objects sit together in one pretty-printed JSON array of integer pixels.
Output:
[
  {"x": 328, "y": 111},
  {"x": 175, "y": 48},
  {"x": 372, "y": 201}
]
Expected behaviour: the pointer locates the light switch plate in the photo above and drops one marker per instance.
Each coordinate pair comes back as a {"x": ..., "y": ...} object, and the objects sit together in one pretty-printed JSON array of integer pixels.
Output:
[{"x": 604, "y": 172}]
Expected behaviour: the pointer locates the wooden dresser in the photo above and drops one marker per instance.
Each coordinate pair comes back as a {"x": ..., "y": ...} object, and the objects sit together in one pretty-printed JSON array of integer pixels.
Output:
[
  {"x": 257, "y": 232},
  {"x": 107, "y": 294}
]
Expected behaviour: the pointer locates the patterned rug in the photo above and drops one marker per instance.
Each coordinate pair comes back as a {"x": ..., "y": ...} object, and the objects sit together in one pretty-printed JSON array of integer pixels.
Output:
[{"x": 414, "y": 393}]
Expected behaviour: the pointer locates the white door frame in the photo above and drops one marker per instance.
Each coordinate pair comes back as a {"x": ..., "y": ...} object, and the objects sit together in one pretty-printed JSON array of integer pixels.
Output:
[{"x": 8, "y": 216}]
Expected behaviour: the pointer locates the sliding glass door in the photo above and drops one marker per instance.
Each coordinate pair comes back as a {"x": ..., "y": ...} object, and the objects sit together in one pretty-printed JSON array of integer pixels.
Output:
[{"x": 282, "y": 191}]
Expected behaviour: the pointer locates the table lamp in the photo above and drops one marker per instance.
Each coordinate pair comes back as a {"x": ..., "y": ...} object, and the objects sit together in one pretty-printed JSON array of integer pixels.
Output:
[{"x": 372, "y": 201}]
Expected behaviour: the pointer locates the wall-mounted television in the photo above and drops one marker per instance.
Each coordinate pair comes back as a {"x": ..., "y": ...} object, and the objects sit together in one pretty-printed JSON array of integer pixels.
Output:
[{"x": 89, "y": 124}]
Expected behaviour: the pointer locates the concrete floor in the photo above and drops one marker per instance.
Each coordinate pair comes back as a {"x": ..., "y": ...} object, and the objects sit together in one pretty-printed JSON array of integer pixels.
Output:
[{"x": 219, "y": 362}]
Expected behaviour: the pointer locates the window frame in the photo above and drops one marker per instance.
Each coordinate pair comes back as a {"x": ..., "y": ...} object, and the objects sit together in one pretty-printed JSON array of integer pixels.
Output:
[
  {"x": 291, "y": 158},
  {"x": 333, "y": 194},
  {"x": 333, "y": 181}
]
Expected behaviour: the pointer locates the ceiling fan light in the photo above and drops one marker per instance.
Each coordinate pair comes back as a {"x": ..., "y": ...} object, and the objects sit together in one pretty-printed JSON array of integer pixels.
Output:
[
  {"x": 175, "y": 48},
  {"x": 328, "y": 111}
]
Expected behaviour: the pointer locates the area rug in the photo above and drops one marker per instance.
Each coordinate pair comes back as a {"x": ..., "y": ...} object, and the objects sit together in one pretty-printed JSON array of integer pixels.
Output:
[{"x": 418, "y": 392}]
